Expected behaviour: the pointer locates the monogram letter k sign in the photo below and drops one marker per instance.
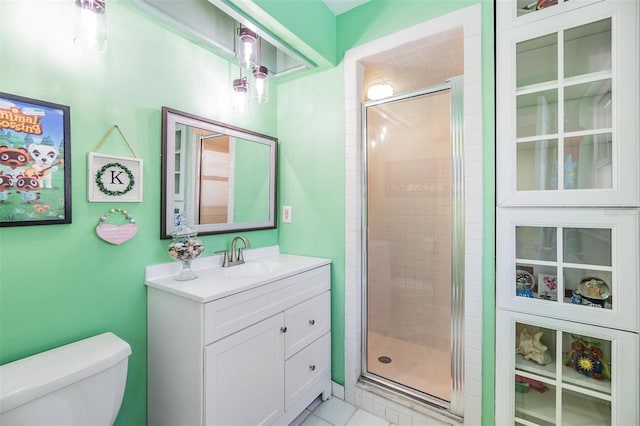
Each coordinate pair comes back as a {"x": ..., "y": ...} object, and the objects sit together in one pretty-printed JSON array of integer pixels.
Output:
[{"x": 114, "y": 178}]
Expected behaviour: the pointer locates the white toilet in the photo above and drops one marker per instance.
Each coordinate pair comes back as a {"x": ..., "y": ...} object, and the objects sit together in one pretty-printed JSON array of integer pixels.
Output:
[{"x": 81, "y": 383}]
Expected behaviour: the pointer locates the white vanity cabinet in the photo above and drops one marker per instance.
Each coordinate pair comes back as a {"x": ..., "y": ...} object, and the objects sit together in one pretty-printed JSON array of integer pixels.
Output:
[{"x": 256, "y": 354}]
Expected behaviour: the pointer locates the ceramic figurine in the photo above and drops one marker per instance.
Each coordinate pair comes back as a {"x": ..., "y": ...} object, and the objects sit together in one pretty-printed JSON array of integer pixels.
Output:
[
  {"x": 588, "y": 359},
  {"x": 530, "y": 347}
]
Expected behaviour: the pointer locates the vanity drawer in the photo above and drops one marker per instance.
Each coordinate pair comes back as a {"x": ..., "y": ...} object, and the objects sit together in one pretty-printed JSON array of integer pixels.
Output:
[
  {"x": 225, "y": 316},
  {"x": 303, "y": 370},
  {"x": 306, "y": 322}
]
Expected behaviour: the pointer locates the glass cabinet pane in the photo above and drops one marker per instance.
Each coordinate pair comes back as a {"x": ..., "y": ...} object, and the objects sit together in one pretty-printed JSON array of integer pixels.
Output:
[
  {"x": 536, "y": 243},
  {"x": 539, "y": 263},
  {"x": 535, "y": 352},
  {"x": 588, "y": 162},
  {"x": 537, "y": 165},
  {"x": 587, "y": 106},
  {"x": 587, "y": 48},
  {"x": 537, "y": 406},
  {"x": 587, "y": 246},
  {"x": 531, "y": 54},
  {"x": 537, "y": 114},
  {"x": 587, "y": 365},
  {"x": 579, "y": 409},
  {"x": 585, "y": 137},
  {"x": 587, "y": 362},
  {"x": 587, "y": 287}
]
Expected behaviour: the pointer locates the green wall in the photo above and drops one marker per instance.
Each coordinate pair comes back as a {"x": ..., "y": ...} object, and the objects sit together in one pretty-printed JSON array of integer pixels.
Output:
[
  {"x": 61, "y": 283},
  {"x": 311, "y": 132},
  {"x": 314, "y": 111},
  {"x": 80, "y": 285}
]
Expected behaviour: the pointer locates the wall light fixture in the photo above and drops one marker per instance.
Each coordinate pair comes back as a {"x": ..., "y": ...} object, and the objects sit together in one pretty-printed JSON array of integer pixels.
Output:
[
  {"x": 240, "y": 93},
  {"x": 379, "y": 91},
  {"x": 247, "y": 41}
]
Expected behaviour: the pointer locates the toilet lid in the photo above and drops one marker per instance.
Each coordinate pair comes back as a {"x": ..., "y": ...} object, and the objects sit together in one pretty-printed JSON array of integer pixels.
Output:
[{"x": 29, "y": 378}]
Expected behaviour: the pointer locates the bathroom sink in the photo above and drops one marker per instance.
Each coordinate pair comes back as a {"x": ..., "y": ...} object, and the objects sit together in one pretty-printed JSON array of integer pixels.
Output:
[
  {"x": 249, "y": 269},
  {"x": 262, "y": 266}
]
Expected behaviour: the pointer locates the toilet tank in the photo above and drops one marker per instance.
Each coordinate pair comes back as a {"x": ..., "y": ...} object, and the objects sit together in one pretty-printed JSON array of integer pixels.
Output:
[{"x": 81, "y": 383}]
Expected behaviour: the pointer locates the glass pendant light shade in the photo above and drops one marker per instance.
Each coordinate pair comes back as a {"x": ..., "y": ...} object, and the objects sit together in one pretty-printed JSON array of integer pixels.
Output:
[
  {"x": 260, "y": 84},
  {"x": 247, "y": 51},
  {"x": 91, "y": 24},
  {"x": 240, "y": 94}
]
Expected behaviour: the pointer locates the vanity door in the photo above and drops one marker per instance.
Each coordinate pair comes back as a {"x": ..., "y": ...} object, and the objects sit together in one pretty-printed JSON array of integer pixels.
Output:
[{"x": 244, "y": 376}]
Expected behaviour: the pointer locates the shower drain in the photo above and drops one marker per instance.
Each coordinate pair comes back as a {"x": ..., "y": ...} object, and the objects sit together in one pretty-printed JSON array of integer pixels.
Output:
[{"x": 384, "y": 359}]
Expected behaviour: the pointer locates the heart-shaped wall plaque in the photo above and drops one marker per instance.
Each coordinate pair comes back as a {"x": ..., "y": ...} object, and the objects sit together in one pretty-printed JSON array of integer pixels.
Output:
[{"x": 116, "y": 234}]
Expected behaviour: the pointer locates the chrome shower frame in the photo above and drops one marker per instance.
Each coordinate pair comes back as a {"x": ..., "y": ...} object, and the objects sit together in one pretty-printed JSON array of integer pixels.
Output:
[{"x": 455, "y": 407}]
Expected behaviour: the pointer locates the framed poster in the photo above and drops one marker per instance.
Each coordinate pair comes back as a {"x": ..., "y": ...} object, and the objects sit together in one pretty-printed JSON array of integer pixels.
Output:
[
  {"x": 114, "y": 178},
  {"x": 35, "y": 162}
]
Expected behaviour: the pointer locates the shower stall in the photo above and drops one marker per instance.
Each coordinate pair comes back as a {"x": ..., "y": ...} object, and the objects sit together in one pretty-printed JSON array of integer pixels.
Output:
[{"x": 413, "y": 241}]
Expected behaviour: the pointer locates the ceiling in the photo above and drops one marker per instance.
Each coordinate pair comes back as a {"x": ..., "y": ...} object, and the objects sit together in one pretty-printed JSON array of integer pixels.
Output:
[
  {"x": 415, "y": 65},
  {"x": 418, "y": 64},
  {"x": 341, "y": 6},
  {"x": 214, "y": 27}
]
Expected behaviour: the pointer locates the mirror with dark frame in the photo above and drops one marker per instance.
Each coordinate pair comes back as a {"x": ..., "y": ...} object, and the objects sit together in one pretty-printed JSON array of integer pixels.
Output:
[{"x": 218, "y": 177}]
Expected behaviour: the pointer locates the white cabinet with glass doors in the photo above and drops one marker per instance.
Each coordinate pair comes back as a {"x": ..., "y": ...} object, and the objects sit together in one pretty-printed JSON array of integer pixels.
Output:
[
  {"x": 567, "y": 104},
  {"x": 568, "y": 192},
  {"x": 574, "y": 264},
  {"x": 564, "y": 373}
]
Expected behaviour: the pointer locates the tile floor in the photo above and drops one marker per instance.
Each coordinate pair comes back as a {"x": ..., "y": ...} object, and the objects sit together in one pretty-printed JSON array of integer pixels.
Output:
[{"x": 336, "y": 412}]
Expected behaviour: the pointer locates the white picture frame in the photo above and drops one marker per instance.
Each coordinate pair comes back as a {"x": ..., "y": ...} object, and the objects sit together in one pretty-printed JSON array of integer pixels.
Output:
[{"x": 112, "y": 178}]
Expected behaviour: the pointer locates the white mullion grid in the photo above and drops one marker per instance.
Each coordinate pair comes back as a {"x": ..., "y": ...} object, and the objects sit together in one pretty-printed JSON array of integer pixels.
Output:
[
  {"x": 524, "y": 422},
  {"x": 536, "y": 138},
  {"x": 615, "y": 270},
  {"x": 534, "y": 376},
  {"x": 615, "y": 349},
  {"x": 536, "y": 87},
  {"x": 588, "y": 266},
  {"x": 560, "y": 297},
  {"x": 588, "y": 78},
  {"x": 615, "y": 45},
  {"x": 537, "y": 262},
  {"x": 586, "y": 391},
  {"x": 560, "y": 39},
  {"x": 560, "y": 259},
  {"x": 559, "y": 364}
]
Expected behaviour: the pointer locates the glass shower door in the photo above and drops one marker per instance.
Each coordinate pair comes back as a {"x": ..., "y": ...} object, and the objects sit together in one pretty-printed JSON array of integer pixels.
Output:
[{"x": 408, "y": 242}]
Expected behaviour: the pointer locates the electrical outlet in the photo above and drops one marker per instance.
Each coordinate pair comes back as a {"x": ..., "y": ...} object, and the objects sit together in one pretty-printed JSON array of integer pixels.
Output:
[{"x": 286, "y": 214}]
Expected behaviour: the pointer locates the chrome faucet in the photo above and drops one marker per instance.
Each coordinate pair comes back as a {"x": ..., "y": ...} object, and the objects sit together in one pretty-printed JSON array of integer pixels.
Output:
[
  {"x": 233, "y": 257},
  {"x": 236, "y": 257},
  {"x": 225, "y": 257}
]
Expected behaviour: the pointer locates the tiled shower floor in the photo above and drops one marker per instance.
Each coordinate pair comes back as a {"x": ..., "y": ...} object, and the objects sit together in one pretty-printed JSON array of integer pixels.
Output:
[{"x": 425, "y": 369}]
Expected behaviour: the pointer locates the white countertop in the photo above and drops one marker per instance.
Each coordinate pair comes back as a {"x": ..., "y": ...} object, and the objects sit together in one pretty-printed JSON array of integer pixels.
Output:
[{"x": 262, "y": 266}]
